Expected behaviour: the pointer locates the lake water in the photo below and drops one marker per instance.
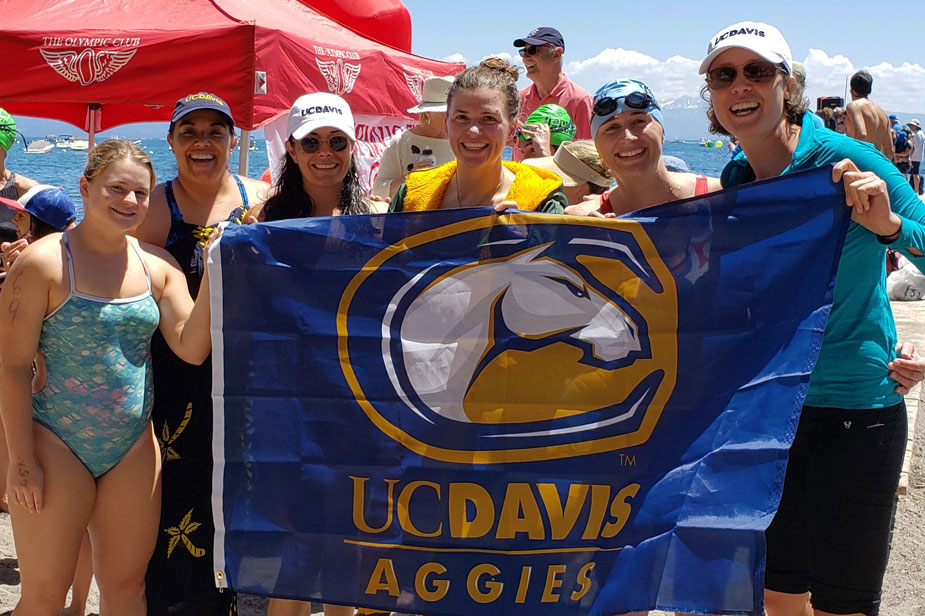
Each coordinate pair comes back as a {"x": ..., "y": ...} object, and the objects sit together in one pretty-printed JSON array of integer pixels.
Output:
[{"x": 63, "y": 167}]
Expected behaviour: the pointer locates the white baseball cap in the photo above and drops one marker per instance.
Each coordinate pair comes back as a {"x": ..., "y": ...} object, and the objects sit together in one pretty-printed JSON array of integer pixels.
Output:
[
  {"x": 320, "y": 110},
  {"x": 762, "y": 39}
]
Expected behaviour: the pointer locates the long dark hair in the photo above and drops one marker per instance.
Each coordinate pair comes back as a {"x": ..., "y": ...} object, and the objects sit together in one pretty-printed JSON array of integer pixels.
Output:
[{"x": 291, "y": 200}]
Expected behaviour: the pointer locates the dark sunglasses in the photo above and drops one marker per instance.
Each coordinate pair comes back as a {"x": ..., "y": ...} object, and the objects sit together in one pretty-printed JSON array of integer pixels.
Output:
[
  {"x": 756, "y": 72},
  {"x": 310, "y": 145},
  {"x": 528, "y": 50},
  {"x": 634, "y": 100}
]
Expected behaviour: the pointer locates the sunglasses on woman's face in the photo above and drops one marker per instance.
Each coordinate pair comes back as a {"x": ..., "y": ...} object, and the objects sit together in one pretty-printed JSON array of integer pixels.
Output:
[
  {"x": 756, "y": 72},
  {"x": 634, "y": 100},
  {"x": 310, "y": 145},
  {"x": 528, "y": 50}
]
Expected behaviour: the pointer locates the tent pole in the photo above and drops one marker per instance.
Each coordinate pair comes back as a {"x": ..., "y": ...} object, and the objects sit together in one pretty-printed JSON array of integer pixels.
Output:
[
  {"x": 92, "y": 110},
  {"x": 244, "y": 146}
]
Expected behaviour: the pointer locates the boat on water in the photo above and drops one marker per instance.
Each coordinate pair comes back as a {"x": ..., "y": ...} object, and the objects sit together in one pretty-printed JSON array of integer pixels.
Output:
[
  {"x": 252, "y": 146},
  {"x": 40, "y": 146},
  {"x": 69, "y": 142}
]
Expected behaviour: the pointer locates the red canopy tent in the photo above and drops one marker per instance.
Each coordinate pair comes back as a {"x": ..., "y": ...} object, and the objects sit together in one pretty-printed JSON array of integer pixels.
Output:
[
  {"x": 386, "y": 21},
  {"x": 132, "y": 59}
]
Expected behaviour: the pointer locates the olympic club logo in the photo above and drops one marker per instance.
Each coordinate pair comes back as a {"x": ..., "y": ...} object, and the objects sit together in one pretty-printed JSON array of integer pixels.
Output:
[
  {"x": 339, "y": 75},
  {"x": 88, "y": 65},
  {"x": 414, "y": 79},
  {"x": 545, "y": 345}
]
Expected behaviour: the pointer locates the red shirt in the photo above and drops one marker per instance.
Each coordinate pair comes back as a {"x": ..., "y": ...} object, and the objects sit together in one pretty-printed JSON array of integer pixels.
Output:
[{"x": 575, "y": 99}]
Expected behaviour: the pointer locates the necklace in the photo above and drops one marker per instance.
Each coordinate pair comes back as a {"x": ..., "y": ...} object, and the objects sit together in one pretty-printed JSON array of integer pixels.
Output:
[{"x": 459, "y": 202}]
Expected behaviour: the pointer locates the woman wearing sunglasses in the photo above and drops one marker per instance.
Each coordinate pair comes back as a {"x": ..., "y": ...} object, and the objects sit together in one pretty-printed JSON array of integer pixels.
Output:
[
  {"x": 319, "y": 176},
  {"x": 180, "y": 218},
  {"x": 628, "y": 131},
  {"x": 828, "y": 543},
  {"x": 482, "y": 108},
  {"x": 318, "y": 179}
]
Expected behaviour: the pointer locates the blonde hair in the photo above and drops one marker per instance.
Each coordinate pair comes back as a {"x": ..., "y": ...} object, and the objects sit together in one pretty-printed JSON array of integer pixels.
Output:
[{"x": 111, "y": 150}]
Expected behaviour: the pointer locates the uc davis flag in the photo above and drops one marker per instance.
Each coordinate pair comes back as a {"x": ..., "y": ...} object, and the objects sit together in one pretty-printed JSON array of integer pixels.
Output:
[{"x": 459, "y": 412}]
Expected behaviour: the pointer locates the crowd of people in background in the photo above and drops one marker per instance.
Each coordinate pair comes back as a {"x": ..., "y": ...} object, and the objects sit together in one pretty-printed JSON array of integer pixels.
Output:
[{"x": 110, "y": 461}]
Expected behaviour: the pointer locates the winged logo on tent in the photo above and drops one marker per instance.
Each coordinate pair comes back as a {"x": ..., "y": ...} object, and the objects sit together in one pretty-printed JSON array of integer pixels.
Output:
[
  {"x": 88, "y": 66},
  {"x": 339, "y": 75},
  {"x": 414, "y": 78}
]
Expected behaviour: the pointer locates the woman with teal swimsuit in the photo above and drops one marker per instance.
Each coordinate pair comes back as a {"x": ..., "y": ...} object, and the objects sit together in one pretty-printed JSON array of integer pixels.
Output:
[{"x": 82, "y": 449}]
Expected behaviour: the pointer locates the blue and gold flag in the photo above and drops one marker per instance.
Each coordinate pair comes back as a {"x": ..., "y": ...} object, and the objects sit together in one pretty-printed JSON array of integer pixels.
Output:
[{"x": 460, "y": 412}]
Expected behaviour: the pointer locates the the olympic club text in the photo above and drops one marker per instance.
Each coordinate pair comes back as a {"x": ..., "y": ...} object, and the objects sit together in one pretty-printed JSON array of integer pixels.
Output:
[
  {"x": 84, "y": 41},
  {"x": 463, "y": 512}
]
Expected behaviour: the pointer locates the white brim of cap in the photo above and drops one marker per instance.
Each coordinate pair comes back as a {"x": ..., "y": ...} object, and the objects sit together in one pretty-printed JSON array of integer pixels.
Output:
[
  {"x": 428, "y": 107},
  {"x": 773, "y": 58},
  {"x": 306, "y": 127},
  {"x": 547, "y": 163},
  {"x": 568, "y": 167}
]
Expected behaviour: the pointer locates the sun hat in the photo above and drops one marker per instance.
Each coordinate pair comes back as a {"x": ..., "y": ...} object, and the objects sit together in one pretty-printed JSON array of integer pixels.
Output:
[
  {"x": 915, "y": 122},
  {"x": 49, "y": 204},
  {"x": 541, "y": 36},
  {"x": 7, "y": 130},
  {"x": 561, "y": 127},
  {"x": 320, "y": 110},
  {"x": 434, "y": 96},
  {"x": 569, "y": 167},
  {"x": 757, "y": 37},
  {"x": 623, "y": 95},
  {"x": 197, "y": 101}
]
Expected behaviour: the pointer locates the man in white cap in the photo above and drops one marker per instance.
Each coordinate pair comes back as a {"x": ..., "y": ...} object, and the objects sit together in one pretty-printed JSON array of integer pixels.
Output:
[
  {"x": 917, "y": 139},
  {"x": 865, "y": 120},
  {"x": 420, "y": 147}
]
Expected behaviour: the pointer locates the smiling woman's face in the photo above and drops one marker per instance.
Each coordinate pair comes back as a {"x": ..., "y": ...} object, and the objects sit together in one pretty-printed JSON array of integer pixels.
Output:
[
  {"x": 630, "y": 143},
  {"x": 326, "y": 166},
  {"x": 202, "y": 142},
  {"x": 745, "y": 108},
  {"x": 477, "y": 126}
]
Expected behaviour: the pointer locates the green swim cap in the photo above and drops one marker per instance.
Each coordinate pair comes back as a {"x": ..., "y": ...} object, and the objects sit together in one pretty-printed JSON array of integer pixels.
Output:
[
  {"x": 7, "y": 130},
  {"x": 561, "y": 127}
]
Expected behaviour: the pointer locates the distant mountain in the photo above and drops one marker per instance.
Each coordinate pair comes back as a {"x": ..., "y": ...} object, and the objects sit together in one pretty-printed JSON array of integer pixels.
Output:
[{"x": 685, "y": 102}]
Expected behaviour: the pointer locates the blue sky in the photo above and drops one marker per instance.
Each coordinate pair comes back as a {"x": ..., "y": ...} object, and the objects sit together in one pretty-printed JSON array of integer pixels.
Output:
[
  {"x": 663, "y": 42},
  {"x": 608, "y": 39}
]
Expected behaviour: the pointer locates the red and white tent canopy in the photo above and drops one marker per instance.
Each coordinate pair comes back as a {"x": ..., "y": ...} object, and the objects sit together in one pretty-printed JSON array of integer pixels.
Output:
[{"x": 135, "y": 58}]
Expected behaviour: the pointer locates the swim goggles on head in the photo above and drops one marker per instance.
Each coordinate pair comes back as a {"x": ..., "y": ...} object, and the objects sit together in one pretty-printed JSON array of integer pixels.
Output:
[{"x": 641, "y": 101}]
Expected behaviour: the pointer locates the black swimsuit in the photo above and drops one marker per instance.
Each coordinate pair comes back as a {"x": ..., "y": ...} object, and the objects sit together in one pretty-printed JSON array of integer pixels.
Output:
[{"x": 180, "y": 579}]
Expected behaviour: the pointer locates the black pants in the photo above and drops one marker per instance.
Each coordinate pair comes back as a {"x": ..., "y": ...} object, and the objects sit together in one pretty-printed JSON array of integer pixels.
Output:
[{"x": 831, "y": 534}]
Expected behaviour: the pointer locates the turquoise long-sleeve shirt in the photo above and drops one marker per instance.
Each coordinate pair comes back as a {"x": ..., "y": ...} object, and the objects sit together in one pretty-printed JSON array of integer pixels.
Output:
[{"x": 860, "y": 336}]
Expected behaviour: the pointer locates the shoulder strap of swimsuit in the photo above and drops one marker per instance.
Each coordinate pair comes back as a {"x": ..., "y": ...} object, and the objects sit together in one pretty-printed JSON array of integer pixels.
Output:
[
  {"x": 242, "y": 190},
  {"x": 172, "y": 202},
  {"x": 134, "y": 243},
  {"x": 701, "y": 187},
  {"x": 70, "y": 264}
]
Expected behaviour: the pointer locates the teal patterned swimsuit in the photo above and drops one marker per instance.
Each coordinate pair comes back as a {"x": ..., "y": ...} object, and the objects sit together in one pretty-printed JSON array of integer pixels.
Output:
[{"x": 98, "y": 394}]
